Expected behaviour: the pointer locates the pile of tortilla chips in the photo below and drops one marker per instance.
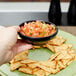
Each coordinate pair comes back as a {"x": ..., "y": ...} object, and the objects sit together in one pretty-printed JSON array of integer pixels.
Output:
[{"x": 63, "y": 56}]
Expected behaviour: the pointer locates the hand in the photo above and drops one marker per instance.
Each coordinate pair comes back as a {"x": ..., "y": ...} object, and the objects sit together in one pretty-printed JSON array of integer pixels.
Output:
[{"x": 9, "y": 45}]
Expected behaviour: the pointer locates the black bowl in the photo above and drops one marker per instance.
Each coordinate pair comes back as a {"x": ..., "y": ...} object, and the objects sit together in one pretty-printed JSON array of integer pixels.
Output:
[{"x": 40, "y": 38}]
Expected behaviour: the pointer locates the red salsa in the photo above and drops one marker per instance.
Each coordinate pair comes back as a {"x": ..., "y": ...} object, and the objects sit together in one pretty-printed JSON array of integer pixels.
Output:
[{"x": 37, "y": 29}]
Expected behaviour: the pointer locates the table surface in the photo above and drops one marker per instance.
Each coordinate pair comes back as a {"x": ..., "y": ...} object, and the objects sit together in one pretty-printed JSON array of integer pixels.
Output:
[{"x": 69, "y": 29}]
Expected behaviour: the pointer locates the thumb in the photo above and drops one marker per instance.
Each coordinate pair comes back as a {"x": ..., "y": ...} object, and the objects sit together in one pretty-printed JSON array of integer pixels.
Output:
[
  {"x": 11, "y": 33},
  {"x": 17, "y": 28}
]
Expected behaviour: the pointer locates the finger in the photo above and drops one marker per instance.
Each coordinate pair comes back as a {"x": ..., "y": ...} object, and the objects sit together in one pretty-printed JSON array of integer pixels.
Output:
[
  {"x": 20, "y": 46},
  {"x": 17, "y": 28},
  {"x": 11, "y": 36},
  {"x": 24, "y": 47},
  {"x": 1, "y": 27}
]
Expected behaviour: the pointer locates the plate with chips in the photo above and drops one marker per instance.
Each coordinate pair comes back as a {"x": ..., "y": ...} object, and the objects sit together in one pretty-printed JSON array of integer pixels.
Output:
[{"x": 56, "y": 58}]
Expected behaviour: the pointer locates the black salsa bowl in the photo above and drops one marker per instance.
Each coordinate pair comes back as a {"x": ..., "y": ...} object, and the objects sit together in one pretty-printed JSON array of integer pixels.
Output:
[{"x": 39, "y": 39}]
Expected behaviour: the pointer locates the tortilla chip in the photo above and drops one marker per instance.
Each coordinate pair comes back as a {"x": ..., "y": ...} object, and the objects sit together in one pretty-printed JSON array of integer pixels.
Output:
[
  {"x": 36, "y": 69},
  {"x": 56, "y": 70},
  {"x": 23, "y": 65},
  {"x": 63, "y": 56},
  {"x": 65, "y": 61},
  {"x": 32, "y": 65},
  {"x": 62, "y": 47},
  {"x": 58, "y": 40},
  {"x": 52, "y": 57},
  {"x": 21, "y": 56},
  {"x": 48, "y": 69},
  {"x": 36, "y": 47},
  {"x": 51, "y": 64},
  {"x": 66, "y": 55},
  {"x": 27, "y": 61},
  {"x": 50, "y": 47},
  {"x": 70, "y": 62},
  {"x": 14, "y": 66},
  {"x": 72, "y": 53},
  {"x": 39, "y": 73},
  {"x": 44, "y": 46},
  {"x": 61, "y": 65},
  {"x": 26, "y": 70},
  {"x": 12, "y": 61},
  {"x": 47, "y": 73}
]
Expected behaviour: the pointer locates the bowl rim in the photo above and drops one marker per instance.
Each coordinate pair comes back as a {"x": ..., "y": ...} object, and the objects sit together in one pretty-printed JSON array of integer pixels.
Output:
[{"x": 39, "y": 37}]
